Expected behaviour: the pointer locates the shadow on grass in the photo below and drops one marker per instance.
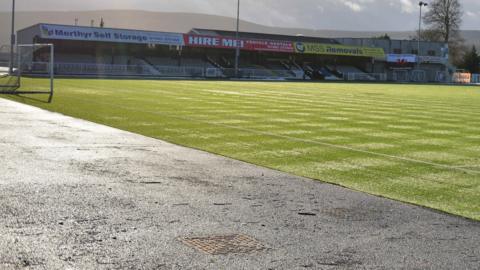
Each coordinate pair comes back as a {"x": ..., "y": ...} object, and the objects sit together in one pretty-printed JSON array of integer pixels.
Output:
[{"x": 28, "y": 98}]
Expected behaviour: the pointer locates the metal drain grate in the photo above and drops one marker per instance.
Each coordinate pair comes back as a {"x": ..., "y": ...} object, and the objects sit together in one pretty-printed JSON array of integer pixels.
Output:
[{"x": 226, "y": 244}]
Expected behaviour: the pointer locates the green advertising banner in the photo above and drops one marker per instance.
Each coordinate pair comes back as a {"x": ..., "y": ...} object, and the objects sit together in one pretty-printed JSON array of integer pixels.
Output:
[{"x": 336, "y": 49}]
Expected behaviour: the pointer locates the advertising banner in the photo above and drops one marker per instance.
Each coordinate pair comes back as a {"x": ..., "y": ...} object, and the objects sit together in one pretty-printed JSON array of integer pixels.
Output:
[
  {"x": 269, "y": 45},
  {"x": 336, "y": 49},
  {"x": 49, "y": 31},
  {"x": 401, "y": 58},
  {"x": 459, "y": 77},
  {"x": 232, "y": 43},
  {"x": 433, "y": 60}
]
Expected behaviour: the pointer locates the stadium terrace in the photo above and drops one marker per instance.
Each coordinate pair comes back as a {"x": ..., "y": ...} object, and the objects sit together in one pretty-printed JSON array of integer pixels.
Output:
[{"x": 210, "y": 53}]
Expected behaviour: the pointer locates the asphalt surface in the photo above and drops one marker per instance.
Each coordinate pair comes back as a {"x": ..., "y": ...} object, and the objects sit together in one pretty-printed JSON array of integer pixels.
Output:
[{"x": 77, "y": 195}]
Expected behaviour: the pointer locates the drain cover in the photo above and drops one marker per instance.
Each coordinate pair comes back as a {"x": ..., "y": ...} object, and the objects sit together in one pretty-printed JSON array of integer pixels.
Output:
[{"x": 225, "y": 244}]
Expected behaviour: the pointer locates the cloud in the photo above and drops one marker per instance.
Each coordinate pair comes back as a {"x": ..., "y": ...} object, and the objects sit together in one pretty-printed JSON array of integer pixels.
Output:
[
  {"x": 407, "y": 6},
  {"x": 353, "y": 6},
  {"x": 321, "y": 14}
]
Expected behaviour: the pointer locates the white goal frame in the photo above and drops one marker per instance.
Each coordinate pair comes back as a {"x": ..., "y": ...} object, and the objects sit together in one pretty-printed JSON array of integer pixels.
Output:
[{"x": 21, "y": 68}]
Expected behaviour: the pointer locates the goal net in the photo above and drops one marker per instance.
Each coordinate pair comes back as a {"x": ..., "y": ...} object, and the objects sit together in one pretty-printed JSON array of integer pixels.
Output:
[
  {"x": 30, "y": 72},
  {"x": 7, "y": 81}
]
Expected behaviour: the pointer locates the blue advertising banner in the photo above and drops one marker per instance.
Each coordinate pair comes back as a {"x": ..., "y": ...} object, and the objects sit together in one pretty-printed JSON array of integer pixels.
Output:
[{"x": 49, "y": 31}]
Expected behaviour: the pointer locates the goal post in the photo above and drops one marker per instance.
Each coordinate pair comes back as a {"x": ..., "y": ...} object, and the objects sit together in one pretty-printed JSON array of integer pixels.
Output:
[{"x": 32, "y": 73}]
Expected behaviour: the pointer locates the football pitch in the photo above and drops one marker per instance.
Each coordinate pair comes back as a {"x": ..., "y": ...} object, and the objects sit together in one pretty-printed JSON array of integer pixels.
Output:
[{"x": 413, "y": 143}]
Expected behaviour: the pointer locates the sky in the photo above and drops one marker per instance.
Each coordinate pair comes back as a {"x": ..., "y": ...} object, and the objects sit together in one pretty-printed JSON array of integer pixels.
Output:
[{"x": 368, "y": 15}]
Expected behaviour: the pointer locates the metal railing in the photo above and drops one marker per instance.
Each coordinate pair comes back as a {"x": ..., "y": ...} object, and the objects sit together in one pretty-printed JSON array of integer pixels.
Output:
[
  {"x": 127, "y": 70},
  {"x": 255, "y": 73},
  {"x": 476, "y": 78},
  {"x": 157, "y": 71},
  {"x": 366, "y": 77},
  {"x": 101, "y": 69},
  {"x": 140, "y": 70}
]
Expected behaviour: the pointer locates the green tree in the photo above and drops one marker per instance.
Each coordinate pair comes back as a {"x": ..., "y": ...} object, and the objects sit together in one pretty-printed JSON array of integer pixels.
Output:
[
  {"x": 471, "y": 61},
  {"x": 384, "y": 36}
]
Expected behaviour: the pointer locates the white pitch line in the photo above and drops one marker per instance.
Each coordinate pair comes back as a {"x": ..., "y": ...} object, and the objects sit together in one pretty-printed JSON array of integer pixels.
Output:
[
  {"x": 468, "y": 166},
  {"x": 351, "y": 149},
  {"x": 417, "y": 109},
  {"x": 365, "y": 101}
]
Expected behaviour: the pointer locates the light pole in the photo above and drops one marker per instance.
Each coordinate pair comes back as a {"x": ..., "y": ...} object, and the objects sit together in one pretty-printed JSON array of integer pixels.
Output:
[
  {"x": 237, "y": 36},
  {"x": 12, "y": 39},
  {"x": 421, "y": 4}
]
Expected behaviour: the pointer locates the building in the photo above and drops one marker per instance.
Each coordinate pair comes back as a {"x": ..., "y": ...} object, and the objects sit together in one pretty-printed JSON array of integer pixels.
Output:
[
  {"x": 93, "y": 51},
  {"x": 403, "y": 57}
]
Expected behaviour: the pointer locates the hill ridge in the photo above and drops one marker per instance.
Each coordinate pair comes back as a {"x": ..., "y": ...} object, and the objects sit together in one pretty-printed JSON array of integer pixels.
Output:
[{"x": 183, "y": 22}]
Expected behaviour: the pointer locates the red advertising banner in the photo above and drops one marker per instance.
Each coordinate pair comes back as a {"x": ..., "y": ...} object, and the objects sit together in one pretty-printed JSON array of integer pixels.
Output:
[
  {"x": 270, "y": 45},
  {"x": 244, "y": 44}
]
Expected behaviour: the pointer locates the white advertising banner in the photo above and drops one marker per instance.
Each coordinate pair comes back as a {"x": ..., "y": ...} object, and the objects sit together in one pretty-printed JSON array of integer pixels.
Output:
[
  {"x": 433, "y": 59},
  {"x": 49, "y": 31}
]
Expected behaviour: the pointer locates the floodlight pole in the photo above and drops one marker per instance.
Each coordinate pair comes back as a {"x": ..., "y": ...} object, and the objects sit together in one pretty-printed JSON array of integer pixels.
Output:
[
  {"x": 237, "y": 42},
  {"x": 421, "y": 4},
  {"x": 12, "y": 39}
]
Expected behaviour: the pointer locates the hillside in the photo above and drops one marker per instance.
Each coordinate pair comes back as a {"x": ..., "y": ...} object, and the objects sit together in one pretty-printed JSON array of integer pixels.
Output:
[{"x": 180, "y": 22}]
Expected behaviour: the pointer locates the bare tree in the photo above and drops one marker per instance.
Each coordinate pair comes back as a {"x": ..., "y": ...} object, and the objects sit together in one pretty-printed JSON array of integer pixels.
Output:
[
  {"x": 445, "y": 18},
  {"x": 443, "y": 21},
  {"x": 430, "y": 35}
]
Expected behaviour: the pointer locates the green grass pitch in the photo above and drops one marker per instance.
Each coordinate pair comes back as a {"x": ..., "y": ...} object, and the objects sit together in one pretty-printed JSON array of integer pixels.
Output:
[{"x": 413, "y": 143}]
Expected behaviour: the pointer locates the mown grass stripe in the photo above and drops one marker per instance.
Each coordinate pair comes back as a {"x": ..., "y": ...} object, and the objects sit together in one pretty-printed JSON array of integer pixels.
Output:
[{"x": 290, "y": 138}]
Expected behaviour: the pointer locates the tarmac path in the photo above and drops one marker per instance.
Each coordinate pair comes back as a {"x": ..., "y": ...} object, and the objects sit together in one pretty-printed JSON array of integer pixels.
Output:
[{"x": 77, "y": 195}]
